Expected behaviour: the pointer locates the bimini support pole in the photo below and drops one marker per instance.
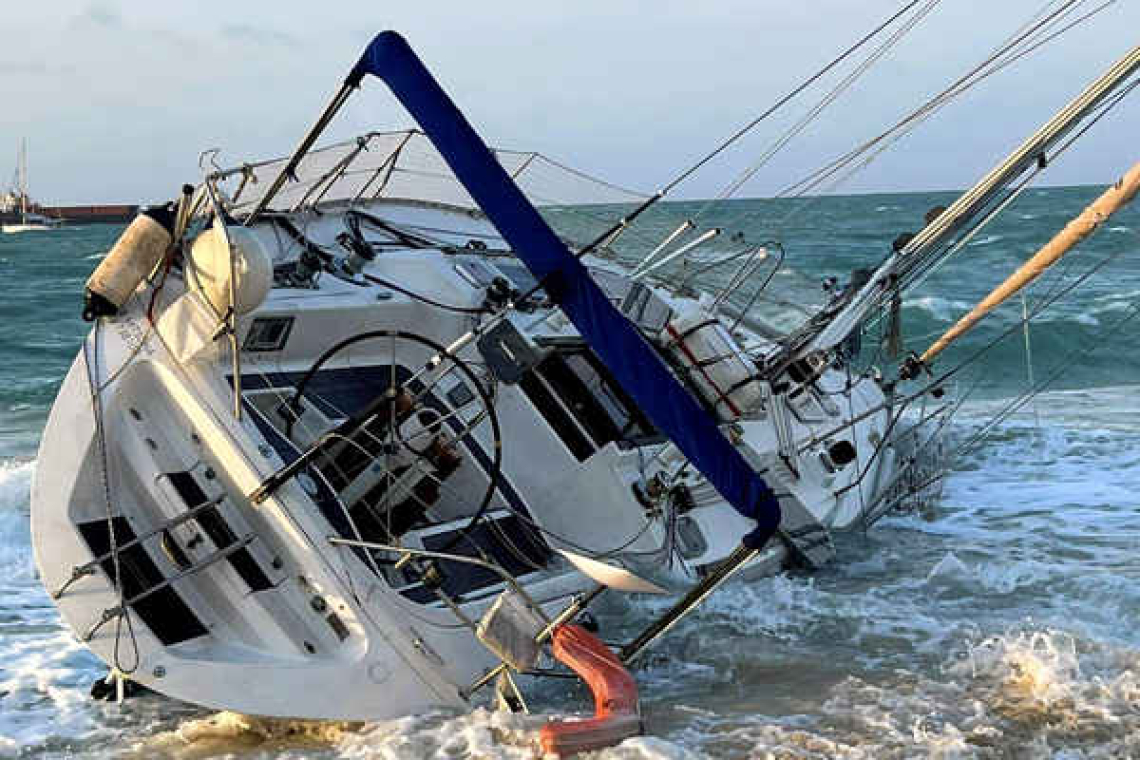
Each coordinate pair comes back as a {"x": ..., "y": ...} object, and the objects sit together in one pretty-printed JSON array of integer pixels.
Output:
[
  {"x": 290, "y": 168},
  {"x": 711, "y": 582}
]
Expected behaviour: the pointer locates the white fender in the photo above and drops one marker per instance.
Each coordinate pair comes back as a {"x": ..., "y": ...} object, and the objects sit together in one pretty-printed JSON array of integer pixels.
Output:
[{"x": 208, "y": 269}]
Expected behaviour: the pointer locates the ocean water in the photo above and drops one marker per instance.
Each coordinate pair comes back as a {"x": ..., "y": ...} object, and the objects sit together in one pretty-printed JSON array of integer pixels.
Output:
[{"x": 1001, "y": 624}]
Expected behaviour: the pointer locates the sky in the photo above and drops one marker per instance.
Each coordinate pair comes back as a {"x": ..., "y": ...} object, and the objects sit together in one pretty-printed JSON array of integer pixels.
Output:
[{"x": 118, "y": 98}]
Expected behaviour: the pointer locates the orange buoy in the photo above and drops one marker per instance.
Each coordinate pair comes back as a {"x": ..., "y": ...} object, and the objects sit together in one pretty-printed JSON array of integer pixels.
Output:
[{"x": 617, "y": 715}]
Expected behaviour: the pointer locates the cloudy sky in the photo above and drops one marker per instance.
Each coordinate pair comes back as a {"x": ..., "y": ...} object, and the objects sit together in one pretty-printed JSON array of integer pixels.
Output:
[{"x": 117, "y": 98}]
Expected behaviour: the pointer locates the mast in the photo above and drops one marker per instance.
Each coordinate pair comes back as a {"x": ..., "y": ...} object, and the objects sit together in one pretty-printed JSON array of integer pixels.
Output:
[
  {"x": 969, "y": 205},
  {"x": 22, "y": 168}
]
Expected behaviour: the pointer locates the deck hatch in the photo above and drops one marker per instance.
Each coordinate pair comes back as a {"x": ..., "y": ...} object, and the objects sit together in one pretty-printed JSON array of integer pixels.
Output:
[{"x": 503, "y": 540}]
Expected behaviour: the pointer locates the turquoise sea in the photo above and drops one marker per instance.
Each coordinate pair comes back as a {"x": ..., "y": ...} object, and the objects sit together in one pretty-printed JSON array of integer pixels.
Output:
[{"x": 1002, "y": 624}]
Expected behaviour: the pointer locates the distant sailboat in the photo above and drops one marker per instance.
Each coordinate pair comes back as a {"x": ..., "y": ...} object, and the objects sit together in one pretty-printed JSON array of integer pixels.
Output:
[{"x": 29, "y": 222}]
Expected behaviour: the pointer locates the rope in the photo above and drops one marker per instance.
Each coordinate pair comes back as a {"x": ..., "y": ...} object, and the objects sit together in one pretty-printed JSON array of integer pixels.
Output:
[
  {"x": 1030, "y": 37},
  {"x": 91, "y": 362}
]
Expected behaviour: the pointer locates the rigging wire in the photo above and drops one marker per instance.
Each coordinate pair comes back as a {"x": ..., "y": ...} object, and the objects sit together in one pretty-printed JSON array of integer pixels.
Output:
[
  {"x": 822, "y": 105},
  {"x": 939, "y": 380},
  {"x": 1036, "y": 32},
  {"x": 1030, "y": 37},
  {"x": 723, "y": 146},
  {"x": 626, "y": 220},
  {"x": 920, "y": 270},
  {"x": 1017, "y": 403},
  {"x": 923, "y": 269},
  {"x": 91, "y": 363},
  {"x": 1004, "y": 55},
  {"x": 1036, "y": 389},
  {"x": 1104, "y": 108}
]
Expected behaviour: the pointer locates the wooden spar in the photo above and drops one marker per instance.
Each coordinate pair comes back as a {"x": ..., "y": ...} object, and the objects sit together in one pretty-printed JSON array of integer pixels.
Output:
[{"x": 1113, "y": 199}]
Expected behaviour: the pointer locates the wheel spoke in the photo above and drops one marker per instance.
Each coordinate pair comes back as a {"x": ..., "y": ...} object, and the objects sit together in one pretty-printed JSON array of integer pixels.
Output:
[
  {"x": 434, "y": 425},
  {"x": 378, "y": 439}
]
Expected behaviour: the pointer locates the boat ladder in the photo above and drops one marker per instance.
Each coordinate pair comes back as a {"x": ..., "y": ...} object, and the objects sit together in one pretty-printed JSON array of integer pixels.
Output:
[
  {"x": 82, "y": 571},
  {"x": 113, "y": 612},
  {"x": 190, "y": 569}
]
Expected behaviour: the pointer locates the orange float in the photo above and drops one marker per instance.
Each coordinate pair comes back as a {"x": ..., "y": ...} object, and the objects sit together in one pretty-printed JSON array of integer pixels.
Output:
[{"x": 617, "y": 715}]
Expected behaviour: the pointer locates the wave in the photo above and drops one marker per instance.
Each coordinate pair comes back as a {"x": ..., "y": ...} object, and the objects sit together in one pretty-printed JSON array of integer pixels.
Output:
[
  {"x": 1026, "y": 692},
  {"x": 999, "y": 578},
  {"x": 481, "y": 733},
  {"x": 15, "y": 484},
  {"x": 985, "y": 240},
  {"x": 942, "y": 309},
  {"x": 15, "y": 548}
]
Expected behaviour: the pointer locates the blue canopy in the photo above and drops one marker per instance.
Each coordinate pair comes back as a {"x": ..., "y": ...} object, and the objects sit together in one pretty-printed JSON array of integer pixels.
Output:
[{"x": 633, "y": 362}]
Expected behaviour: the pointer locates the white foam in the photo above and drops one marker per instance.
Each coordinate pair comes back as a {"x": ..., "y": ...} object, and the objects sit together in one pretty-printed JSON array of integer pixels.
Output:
[
  {"x": 1025, "y": 694},
  {"x": 15, "y": 548},
  {"x": 943, "y": 309},
  {"x": 948, "y": 567},
  {"x": 15, "y": 483},
  {"x": 985, "y": 240}
]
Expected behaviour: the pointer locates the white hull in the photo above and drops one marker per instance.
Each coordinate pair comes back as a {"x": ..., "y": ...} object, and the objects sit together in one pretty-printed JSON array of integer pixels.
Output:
[
  {"x": 261, "y": 641},
  {"x": 12, "y": 229},
  {"x": 302, "y": 469}
]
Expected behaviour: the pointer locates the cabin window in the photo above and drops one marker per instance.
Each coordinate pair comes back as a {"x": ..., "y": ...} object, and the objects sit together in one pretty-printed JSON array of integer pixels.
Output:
[
  {"x": 268, "y": 334},
  {"x": 585, "y": 406}
]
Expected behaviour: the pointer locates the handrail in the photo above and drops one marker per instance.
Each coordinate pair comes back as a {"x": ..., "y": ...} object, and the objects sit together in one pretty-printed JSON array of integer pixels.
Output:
[
  {"x": 409, "y": 552},
  {"x": 82, "y": 571},
  {"x": 113, "y": 612}
]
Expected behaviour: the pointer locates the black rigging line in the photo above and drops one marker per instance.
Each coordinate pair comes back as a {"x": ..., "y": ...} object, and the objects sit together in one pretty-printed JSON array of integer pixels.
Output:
[
  {"x": 921, "y": 268},
  {"x": 1063, "y": 366},
  {"x": 784, "y": 100},
  {"x": 723, "y": 146},
  {"x": 978, "y": 437},
  {"x": 939, "y": 380},
  {"x": 419, "y": 297},
  {"x": 976, "y": 74}
]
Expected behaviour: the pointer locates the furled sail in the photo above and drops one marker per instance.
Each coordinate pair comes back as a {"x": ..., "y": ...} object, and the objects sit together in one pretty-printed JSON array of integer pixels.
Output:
[
  {"x": 634, "y": 363},
  {"x": 1113, "y": 199}
]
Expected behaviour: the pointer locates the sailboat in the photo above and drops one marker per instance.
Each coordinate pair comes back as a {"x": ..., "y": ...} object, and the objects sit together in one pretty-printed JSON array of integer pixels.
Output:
[
  {"x": 18, "y": 198},
  {"x": 383, "y": 419}
]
